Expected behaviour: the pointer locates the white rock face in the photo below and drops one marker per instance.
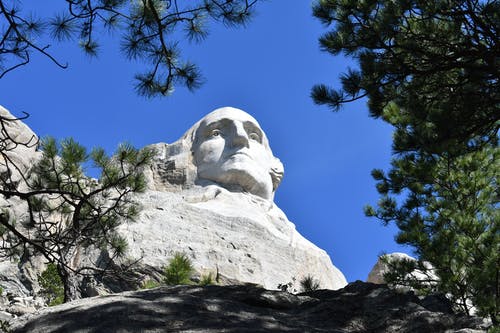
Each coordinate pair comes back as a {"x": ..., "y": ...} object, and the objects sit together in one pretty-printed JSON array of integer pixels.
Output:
[
  {"x": 376, "y": 275},
  {"x": 18, "y": 152},
  {"x": 211, "y": 197},
  {"x": 19, "y": 142},
  {"x": 239, "y": 237}
]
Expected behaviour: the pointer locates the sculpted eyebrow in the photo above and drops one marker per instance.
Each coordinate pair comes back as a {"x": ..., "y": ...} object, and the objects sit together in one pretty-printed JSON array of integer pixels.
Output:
[
  {"x": 216, "y": 124},
  {"x": 250, "y": 126},
  {"x": 221, "y": 123}
]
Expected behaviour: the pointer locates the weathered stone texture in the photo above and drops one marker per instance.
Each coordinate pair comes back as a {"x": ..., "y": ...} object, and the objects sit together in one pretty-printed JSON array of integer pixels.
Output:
[
  {"x": 359, "y": 307},
  {"x": 225, "y": 230},
  {"x": 236, "y": 236}
]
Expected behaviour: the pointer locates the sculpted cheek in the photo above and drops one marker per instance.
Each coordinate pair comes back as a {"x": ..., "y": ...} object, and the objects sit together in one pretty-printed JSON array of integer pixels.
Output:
[
  {"x": 209, "y": 153},
  {"x": 263, "y": 157},
  {"x": 210, "y": 156}
]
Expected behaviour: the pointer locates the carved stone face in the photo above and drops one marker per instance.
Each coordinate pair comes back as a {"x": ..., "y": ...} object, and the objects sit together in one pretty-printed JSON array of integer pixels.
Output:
[{"x": 230, "y": 148}]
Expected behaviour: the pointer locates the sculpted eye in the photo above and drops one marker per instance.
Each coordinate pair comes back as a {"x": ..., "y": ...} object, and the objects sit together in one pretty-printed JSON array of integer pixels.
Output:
[
  {"x": 254, "y": 136},
  {"x": 215, "y": 132}
]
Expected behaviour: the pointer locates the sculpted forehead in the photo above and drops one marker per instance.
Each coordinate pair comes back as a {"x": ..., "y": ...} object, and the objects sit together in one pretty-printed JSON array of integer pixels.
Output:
[
  {"x": 230, "y": 113},
  {"x": 226, "y": 115}
]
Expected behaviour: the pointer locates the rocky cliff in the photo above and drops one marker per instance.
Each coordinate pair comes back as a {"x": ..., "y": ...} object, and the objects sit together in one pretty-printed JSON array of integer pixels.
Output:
[
  {"x": 225, "y": 229},
  {"x": 231, "y": 235},
  {"x": 216, "y": 216},
  {"x": 244, "y": 239},
  {"x": 359, "y": 307}
]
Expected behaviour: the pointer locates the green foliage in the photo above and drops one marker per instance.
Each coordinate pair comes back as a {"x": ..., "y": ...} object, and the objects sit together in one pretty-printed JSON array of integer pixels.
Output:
[
  {"x": 494, "y": 329},
  {"x": 5, "y": 326},
  {"x": 436, "y": 60},
  {"x": 68, "y": 211},
  {"x": 178, "y": 271},
  {"x": 430, "y": 69},
  {"x": 451, "y": 218},
  {"x": 151, "y": 31},
  {"x": 52, "y": 285},
  {"x": 415, "y": 274},
  {"x": 309, "y": 283},
  {"x": 207, "y": 280},
  {"x": 150, "y": 284}
]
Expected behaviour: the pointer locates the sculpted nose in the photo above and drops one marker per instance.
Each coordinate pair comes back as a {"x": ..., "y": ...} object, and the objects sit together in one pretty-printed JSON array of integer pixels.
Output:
[{"x": 240, "y": 136}]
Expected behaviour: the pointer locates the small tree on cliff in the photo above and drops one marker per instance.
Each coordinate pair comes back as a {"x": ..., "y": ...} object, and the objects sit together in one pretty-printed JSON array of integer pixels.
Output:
[
  {"x": 150, "y": 30},
  {"x": 67, "y": 212},
  {"x": 430, "y": 69}
]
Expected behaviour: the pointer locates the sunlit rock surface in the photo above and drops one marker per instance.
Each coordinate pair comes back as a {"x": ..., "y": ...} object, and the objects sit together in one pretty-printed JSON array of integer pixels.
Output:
[
  {"x": 223, "y": 218},
  {"x": 203, "y": 201}
]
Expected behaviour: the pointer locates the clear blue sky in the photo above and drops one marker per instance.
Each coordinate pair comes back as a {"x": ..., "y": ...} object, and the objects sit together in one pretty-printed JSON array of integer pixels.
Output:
[{"x": 267, "y": 70}]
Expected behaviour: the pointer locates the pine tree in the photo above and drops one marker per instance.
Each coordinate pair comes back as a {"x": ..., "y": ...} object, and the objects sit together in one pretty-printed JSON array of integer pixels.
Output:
[
  {"x": 150, "y": 32},
  {"x": 66, "y": 211},
  {"x": 178, "y": 271},
  {"x": 437, "y": 60},
  {"x": 431, "y": 70},
  {"x": 449, "y": 215}
]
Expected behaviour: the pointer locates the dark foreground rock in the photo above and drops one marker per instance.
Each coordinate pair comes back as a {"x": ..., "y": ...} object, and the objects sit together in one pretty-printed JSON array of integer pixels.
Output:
[{"x": 359, "y": 307}]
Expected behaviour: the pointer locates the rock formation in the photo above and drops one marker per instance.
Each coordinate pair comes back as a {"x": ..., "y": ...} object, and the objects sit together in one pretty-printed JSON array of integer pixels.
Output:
[
  {"x": 376, "y": 275},
  {"x": 210, "y": 196},
  {"x": 359, "y": 307},
  {"x": 18, "y": 148}
]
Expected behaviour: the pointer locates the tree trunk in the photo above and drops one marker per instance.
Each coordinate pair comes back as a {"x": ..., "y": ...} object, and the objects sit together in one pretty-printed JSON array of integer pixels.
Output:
[
  {"x": 71, "y": 286},
  {"x": 70, "y": 278}
]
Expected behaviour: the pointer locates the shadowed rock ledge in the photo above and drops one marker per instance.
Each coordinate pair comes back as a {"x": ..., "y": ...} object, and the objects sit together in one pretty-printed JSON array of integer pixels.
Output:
[{"x": 359, "y": 307}]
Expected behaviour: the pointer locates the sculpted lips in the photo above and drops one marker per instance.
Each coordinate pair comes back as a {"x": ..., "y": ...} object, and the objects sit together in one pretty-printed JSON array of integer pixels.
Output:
[{"x": 239, "y": 153}]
